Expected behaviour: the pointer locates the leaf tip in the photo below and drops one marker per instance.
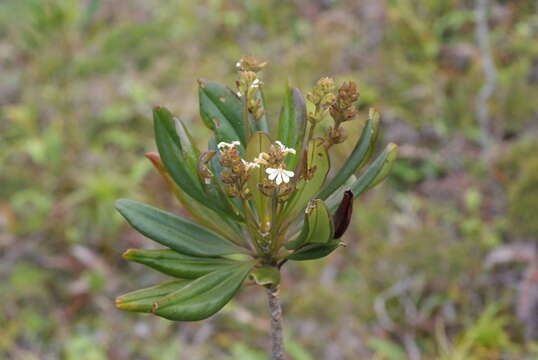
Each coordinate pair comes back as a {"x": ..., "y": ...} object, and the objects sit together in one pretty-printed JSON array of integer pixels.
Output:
[
  {"x": 118, "y": 303},
  {"x": 120, "y": 204},
  {"x": 392, "y": 147},
  {"x": 128, "y": 254},
  {"x": 153, "y": 156}
]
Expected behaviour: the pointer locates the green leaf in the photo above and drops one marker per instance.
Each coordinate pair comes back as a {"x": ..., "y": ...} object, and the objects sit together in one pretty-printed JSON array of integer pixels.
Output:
[
  {"x": 320, "y": 223},
  {"x": 175, "y": 232},
  {"x": 354, "y": 161},
  {"x": 202, "y": 215},
  {"x": 292, "y": 123},
  {"x": 180, "y": 163},
  {"x": 171, "y": 151},
  {"x": 258, "y": 142},
  {"x": 317, "y": 227},
  {"x": 204, "y": 296},
  {"x": 266, "y": 276},
  {"x": 221, "y": 111},
  {"x": 142, "y": 300},
  {"x": 301, "y": 237},
  {"x": 373, "y": 114},
  {"x": 175, "y": 264},
  {"x": 374, "y": 174},
  {"x": 387, "y": 165},
  {"x": 314, "y": 251},
  {"x": 317, "y": 161},
  {"x": 189, "y": 151}
]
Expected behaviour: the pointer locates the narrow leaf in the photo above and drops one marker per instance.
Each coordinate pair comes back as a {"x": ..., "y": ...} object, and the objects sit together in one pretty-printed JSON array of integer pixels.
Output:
[
  {"x": 373, "y": 115},
  {"x": 317, "y": 226},
  {"x": 221, "y": 111},
  {"x": 258, "y": 142},
  {"x": 181, "y": 170},
  {"x": 204, "y": 296},
  {"x": 172, "y": 263},
  {"x": 301, "y": 238},
  {"x": 380, "y": 166},
  {"x": 318, "y": 166},
  {"x": 387, "y": 166},
  {"x": 354, "y": 162},
  {"x": 292, "y": 123},
  {"x": 175, "y": 232},
  {"x": 203, "y": 215},
  {"x": 313, "y": 251},
  {"x": 189, "y": 150},
  {"x": 170, "y": 149},
  {"x": 142, "y": 300}
]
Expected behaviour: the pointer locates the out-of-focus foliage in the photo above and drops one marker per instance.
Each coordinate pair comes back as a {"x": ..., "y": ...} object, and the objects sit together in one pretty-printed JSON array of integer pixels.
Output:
[{"x": 78, "y": 79}]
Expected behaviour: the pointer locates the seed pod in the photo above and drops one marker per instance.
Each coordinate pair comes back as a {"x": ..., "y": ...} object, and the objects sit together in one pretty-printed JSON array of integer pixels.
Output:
[{"x": 342, "y": 216}]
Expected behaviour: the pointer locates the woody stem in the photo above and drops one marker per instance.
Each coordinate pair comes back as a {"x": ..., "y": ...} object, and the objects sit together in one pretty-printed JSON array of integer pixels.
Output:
[{"x": 275, "y": 309}]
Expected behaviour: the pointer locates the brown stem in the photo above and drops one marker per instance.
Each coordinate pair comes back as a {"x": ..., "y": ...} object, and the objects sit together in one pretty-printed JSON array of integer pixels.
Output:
[{"x": 275, "y": 309}]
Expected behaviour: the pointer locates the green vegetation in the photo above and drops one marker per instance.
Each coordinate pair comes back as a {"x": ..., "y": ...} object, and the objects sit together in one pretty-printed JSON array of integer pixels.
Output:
[{"x": 78, "y": 80}]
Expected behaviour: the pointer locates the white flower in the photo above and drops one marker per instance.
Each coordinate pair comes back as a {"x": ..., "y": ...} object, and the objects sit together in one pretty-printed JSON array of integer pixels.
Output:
[
  {"x": 224, "y": 145},
  {"x": 260, "y": 159},
  {"x": 238, "y": 64},
  {"x": 250, "y": 165},
  {"x": 238, "y": 94},
  {"x": 279, "y": 175},
  {"x": 285, "y": 149}
]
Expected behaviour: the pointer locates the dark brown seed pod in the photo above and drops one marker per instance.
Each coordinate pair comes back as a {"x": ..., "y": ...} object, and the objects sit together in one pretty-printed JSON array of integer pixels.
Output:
[{"x": 342, "y": 216}]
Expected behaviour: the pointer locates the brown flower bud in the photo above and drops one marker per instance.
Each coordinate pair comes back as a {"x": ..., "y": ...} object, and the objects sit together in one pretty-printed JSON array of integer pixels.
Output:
[{"x": 343, "y": 108}]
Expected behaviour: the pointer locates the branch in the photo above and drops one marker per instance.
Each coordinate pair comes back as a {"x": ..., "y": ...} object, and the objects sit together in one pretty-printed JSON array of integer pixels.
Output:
[{"x": 276, "y": 324}]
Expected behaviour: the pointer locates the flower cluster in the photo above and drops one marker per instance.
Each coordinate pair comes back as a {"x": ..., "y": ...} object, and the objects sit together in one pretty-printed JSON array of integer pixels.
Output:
[
  {"x": 322, "y": 96},
  {"x": 341, "y": 110},
  {"x": 248, "y": 85},
  {"x": 236, "y": 170}
]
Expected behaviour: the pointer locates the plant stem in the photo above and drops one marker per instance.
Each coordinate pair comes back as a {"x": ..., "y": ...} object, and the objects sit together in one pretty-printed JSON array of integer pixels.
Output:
[{"x": 275, "y": 309}]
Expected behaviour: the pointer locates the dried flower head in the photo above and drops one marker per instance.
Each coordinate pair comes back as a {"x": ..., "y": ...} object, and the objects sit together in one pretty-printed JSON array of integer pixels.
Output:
[
  {"x": 343, "y": 109},
  {"x": 250, "y": 63}
]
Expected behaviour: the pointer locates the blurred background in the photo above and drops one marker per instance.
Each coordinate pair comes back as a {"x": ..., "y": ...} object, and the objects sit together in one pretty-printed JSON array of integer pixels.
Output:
[{"x": 441, "y": 262}]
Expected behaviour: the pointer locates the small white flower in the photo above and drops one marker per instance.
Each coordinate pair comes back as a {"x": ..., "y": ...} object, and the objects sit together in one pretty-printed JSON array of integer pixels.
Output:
[
  {"x": 224, "y": 145},
  {"x": 255, "y": 83},
  {"x": 239, "y": 94},
  {"x": 250, "y": 165},
  {"x": 279, "y": 175},
  {"x": 285, "y": 149},
  {"x": 260, "y": 159},
  {"x": 207, "y": 181},
  {"x": 238, "y": 64}
]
